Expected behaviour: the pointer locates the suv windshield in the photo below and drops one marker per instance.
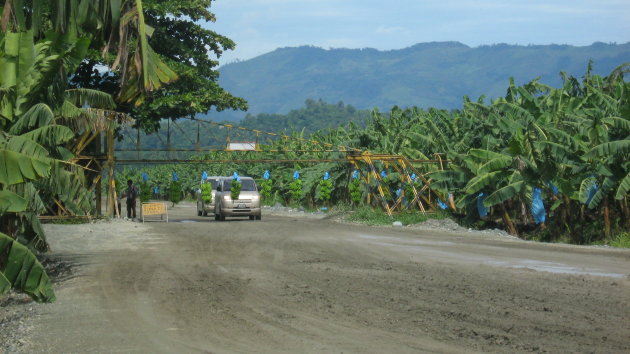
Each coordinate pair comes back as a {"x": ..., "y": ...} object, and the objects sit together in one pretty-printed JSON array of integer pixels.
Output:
[
  {"x": 214, "y": 182},
  {"x": 247, "y": 185}
]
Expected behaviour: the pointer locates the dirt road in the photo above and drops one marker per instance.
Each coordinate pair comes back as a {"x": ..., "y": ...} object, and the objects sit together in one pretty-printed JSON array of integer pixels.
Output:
[{"x": 287, "y": 284}]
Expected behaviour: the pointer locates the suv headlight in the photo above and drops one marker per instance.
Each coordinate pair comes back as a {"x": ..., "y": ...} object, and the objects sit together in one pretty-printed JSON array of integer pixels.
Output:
[
  {"x": 226, "y": 197},
  {"x": 255, "y": 197}
]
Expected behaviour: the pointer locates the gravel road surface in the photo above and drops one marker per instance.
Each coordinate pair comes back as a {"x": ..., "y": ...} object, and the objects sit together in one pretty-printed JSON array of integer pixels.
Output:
[{"x": 290, "y": 284}]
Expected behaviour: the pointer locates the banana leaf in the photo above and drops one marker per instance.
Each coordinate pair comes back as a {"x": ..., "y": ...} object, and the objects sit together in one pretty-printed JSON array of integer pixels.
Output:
[
  {"x": 624, "y": 187},
  {"x": 508, "y": 192},
  {"x": 11, "y": 202},
  {"x": 20, "y": 269}
]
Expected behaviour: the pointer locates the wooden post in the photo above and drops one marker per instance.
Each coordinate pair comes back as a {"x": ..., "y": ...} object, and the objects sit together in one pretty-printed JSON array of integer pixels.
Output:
[
  {"x": 99, "y": 185},
  {"x": 111, "y": 195}
]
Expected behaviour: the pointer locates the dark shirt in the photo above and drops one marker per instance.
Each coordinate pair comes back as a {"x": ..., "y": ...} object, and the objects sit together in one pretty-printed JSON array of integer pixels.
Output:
[{"x": 132, "y": 192}]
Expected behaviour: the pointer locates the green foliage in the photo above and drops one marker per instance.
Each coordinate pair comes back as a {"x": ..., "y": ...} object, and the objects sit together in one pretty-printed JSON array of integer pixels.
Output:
[
  {"x": 355, "y": 191},
  {"x": 20, "y": 269},
  {"x": 314, "y": 116},
  {"x": 571, "y": 142},
  {"x": 235, "y": 190},
  {"x": 325, "y": 190},
  {"x": 409, "y": 190},
  {"x": 307, "y": 120},
  {"x": 622, "y": 240},
  {"x": 295, "y": 190},
  {"x": 369, "y": 216},
  {"x": 265, "y": 190},
  {"x": 145, "y": 191},
  {"x": 175, "y": 192},
  {"x": 206, "y": 193},
  {"x": 180, "y": 39}
]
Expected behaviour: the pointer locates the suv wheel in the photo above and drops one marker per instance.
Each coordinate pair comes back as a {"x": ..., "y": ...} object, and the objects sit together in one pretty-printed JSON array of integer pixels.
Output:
[{"x": 198, "y": 212}]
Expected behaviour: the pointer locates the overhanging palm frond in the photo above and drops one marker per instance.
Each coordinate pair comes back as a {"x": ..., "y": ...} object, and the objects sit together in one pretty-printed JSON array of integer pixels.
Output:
[
  {"x": 143, "y": 70},
  {"x": 82, "y": 97}
]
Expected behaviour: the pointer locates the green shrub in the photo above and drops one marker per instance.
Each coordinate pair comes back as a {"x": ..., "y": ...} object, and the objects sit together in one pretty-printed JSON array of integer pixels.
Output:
[
  {"x": 295, "y": 190},
  {"x": 355, "y": 191},
  {"x": 265, "y": 190},
  {"x": 235, "y": 191},
  {"x": 622, "y": 240},
  {"x": 145, "y": 191},
  {"x": 325, "y": 190},
  {"x": 175, "y": 192},
  {"x": 206, "y": 192},
  {"x": 369, "y": 216}
]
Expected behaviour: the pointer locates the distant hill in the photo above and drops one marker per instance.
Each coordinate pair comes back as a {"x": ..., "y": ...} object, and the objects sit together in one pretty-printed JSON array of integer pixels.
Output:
[
  {"x": 315, "y": 115},
  {"x": 436, "y": 74},
  {"x": 311, "y": 117}
]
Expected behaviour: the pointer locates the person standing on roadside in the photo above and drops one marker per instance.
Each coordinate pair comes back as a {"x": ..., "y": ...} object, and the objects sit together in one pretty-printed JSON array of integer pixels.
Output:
[{"x": 131, "y": 193}]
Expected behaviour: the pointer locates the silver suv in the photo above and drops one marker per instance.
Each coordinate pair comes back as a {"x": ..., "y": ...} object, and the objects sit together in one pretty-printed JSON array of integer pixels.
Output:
[
  {"x": 208, "y": 208},
  {"x": 248, "y": 203}
]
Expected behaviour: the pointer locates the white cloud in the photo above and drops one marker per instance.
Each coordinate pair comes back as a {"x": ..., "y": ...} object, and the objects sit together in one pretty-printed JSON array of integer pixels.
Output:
[{"x": 389, "y": 30}]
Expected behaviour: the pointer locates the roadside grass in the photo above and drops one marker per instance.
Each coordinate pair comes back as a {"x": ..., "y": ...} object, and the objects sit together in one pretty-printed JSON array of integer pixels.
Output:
[
  {"x": 621, "y": 240},
  {"x": 369, "y": 216}
]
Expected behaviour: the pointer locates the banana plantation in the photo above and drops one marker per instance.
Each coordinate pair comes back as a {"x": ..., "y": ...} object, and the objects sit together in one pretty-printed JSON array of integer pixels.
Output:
[{"x": 543, "y": 161}]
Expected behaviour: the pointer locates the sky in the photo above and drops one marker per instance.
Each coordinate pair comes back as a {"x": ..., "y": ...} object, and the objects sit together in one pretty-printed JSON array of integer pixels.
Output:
[{"x": 261, "y": 26}]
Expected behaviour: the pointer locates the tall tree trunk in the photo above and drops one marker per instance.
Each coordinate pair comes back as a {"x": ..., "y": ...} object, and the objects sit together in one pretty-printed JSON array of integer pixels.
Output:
[
  {"x": 508, "y": 221},
  {"x": 606, "y": 217},
  {"x": 626, "y": 212}
]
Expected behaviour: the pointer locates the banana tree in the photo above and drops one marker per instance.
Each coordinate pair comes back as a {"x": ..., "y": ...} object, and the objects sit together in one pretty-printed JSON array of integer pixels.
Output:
[{"x": 114, "y": 27}]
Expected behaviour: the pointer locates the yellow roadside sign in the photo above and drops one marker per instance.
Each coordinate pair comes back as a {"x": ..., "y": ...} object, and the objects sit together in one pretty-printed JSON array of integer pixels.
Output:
[{"x": 149, "y": 209}]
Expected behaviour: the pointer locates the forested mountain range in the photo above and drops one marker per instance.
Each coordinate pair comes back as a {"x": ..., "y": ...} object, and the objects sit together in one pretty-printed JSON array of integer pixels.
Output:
[{"x": 436, "y": 74}]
